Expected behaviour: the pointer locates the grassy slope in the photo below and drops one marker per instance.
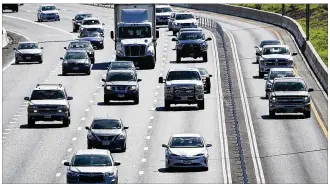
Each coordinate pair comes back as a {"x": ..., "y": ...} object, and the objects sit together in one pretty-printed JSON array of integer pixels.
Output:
[{"x": 318, "y": 22}]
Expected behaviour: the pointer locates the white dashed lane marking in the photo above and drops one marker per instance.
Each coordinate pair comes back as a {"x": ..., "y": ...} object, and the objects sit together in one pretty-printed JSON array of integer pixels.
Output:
[
  {"x": 148, "y": 137},
  {"x": 58, "y": 174},
  {"x": 141, "y": 172},
  {"x": 75, "y": 138},
  {"x": 70, "y": 149},
  {"x": 83, "y": 119},
  {"x": 151, "y": 117},
  {"x": 146, "y": 148},
  {"x": 149, "y": 127},
  {"x": 79, "y": 128},
  {"x": 87, "y": 110},
  {"x": 5, "y": 133},
  {"x": 12, "y": 122},
  {"x": 143, "y": 160},
  {"x": 7, "y": 129}
]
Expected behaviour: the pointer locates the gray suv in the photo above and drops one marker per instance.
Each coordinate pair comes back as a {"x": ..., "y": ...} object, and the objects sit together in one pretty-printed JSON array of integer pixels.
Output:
[
  {"x": 191, "y": 44},
  {"x": 49, "y": 102},
  {"x": 289, "y": 95}
]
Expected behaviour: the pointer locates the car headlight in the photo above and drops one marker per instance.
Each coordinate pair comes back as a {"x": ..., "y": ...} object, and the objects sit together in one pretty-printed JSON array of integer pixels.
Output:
[
  {"x": 195, "y": 23},
  {"x": 120, "y": 53},
  {"x": 86, "y": 64},
  {"x": 176, "y": 24},
  {"x": 273, "y": 99},
  {"x": 90, "y": 136},
  {"x": 199, "y": 87},
  {"x": 133, "y": 88},
  {"x": 307, "y": 99},
  {"x": 262, "y": 62},
  {"x": 109, "y": 88},
  {"x": 73, "y": 174},
  {"x": 149, "y": 52},
  {"x": 269, "y": 84},
  {"x": 168, "y": 89},
  {"x": 121, "y": 136},
  {"x": 204, "y": 80}
]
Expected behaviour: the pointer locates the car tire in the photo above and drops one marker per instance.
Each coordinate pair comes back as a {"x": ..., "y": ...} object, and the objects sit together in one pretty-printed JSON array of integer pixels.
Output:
[
  {"x": 206, "y": 168},
  {"x": 31, "y": 122},
  {"x": 261, "y": 74},
  {"x": 102, "y": 46},
  {"x": 151, "y": 64},
  {"x": 174, "y": 33},
  {"x": 123, "y": 149},
  {"x": 64, "y": 73},
  {"x": 40, "y": 61},
  {"x": 208, "y": 89},
  {"x": 106, "y": 100},
  {"x": 266, "y": 95},
  {"x": 178, "y": 58},
  {"x": 307, "y": 114},
  {"x": 16, "y": 62},
  {"x": 89, "y": 146},
  {"x": 89, "y": 72},
  {"x": 66, "y": 122},
  {"x": 167, "y": 105},
  {"x": 136, "y": 100},
  {"x": 271, "y": 113},
  {"x": 205, "y": 57},
  {"x": 201, "y": 105},
  {"x": 93, "y": 60}
]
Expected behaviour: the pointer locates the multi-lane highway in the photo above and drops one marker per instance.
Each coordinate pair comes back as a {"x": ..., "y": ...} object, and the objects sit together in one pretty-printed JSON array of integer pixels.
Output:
[{"x": 291, "y": 149}]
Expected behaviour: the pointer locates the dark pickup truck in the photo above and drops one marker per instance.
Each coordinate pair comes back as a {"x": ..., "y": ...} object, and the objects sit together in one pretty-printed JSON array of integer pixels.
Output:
[{"x": 12, "y": 7}]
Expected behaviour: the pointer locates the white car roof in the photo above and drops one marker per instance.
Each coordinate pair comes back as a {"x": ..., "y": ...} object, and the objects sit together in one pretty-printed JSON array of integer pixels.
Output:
[
  {"x": 47, "y": 5},
  {"x": 183, "y": 69},
  {"x": 92, "y": 152},
  {"x": 49, "y": 87},
  {"x": 271, "y": 46},
  {"x": 27, "y": 42},
  {"x": 163, "y": 6},
  {"x": 184, "y": 13},
  {"x": 92, "y": 18},
  {"x": 281, "y": 69},
  {"x": 289, "y": 79},
  {"x": 186, "y": 135}
]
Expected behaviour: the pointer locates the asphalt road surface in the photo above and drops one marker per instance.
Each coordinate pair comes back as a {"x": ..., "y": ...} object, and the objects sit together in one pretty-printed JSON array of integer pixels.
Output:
[{"x": 291, "y": 149}]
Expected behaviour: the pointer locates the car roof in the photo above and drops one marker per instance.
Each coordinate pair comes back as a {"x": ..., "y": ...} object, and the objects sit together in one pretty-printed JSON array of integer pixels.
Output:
[
  {"x": 270, "y": 46},
  {"x": 91, "y": 18},
  {"x": 281, "y": 69},
  {"x": 183, "y": 69},
  {"x": 121, "y": 71},
  {"x": 191, "y": 31},
  {"x": 162, "y": 6},
  {"x": 83, "y": 13},
  {"x": 76, "y": 50},
  {"x": 28, "y": 42},
  {"x": 122, "y": 61},
  {"x": 49, "y": 87},
  {"x": 92, "y": 152},
  {"x": 184, "y": 13},
  {"x": 289, "y": 79},
  {"x": 47, "y": 5},
  {"x": 186, "y": 135},
  {"x": 80, "y": 41},
  {"x": 109, "y": 118}
]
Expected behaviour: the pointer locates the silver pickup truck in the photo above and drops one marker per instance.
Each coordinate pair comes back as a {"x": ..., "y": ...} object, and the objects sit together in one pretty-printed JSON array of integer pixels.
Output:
[
  {"x": 289, "y": 95},
  {"x": 183, "y": 86}
]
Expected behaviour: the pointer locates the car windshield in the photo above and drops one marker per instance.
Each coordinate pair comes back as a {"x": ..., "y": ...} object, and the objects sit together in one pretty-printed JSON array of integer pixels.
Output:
[
  {"x": 289, "y": 86},
  {"x": 106, "y": 124},
  {"x": 184, "y": 16},
  {"x": 91, "y": 160},
  {"x": 280, "y": 74},
  {"x": 82, "y": 16},
  {"x": 47, "y": 95},
  {"x": 48, "y": 8},
  {"x": 121, "y": 65},
  {"x": 79, "y": 45},
  {"x": 275, "y": 50},
  {"x": 90, "y": 34},
  {"x": 28, "y": 46},
  {"x": 91, "y": 22},
  {"x": 275, "y": 42},
  {"x": 75, "y": 55},
  {"x": 135, "y": 32},
  {"x": 191, "y": 35},
  {"x": 186, "y": 142},
  {"x": 163, "y": 10},
  {"x": 183, "y": 75},
  {"x": 121, "y": 77}
]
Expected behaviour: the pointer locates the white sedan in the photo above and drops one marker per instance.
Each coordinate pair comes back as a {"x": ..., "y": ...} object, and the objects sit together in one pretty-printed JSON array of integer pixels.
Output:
[{"x": 186, "y": 150}]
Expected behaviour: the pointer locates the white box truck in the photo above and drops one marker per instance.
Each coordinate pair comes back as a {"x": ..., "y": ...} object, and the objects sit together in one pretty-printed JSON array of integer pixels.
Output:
[{"x": 135, "y": 34}]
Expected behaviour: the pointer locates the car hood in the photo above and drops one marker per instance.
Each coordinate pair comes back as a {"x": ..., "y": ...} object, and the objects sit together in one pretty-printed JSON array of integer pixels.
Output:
[
  {"x": 143, "y": 41},
  {"x": 92, "y": 26},
  {"x": 48, "y": 102},
  {"x": 126, "y": 83},
  {"x": 278, "y": 56},
  {"x": 187, "y": 151},
  {"x": 49, "y": 12},
  {"x": 164, "y": 14},
  {"x": 77, "y": 60},
  {"x": 290, "y": 93},
  {"x": 93, "y": 169},
  {"x": 91, "y": 39},
  {"x": 199, "y": 41},
  {"x": 29, "y": 51},
  {"x": 186, "y": 21},
  {"x": 184, "y": 82},
  {"x": 106, "y": 132}
]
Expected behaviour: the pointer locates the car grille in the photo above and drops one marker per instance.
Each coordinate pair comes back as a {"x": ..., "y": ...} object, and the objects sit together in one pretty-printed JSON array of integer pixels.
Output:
[
  {"x": 191, "y": 47},
  {"x": 184, "y": 91},
  {"x": 277, "y": 62},
  {"x": 75, "y": 64},
  {"x": 107, "y": 137},
  {"x": 290, "y": 100},
  {"x": 121, "y": 87},
  {"x": 91, "y": 29},
  {"x": 185, "y": 24},
  {"x": 91, "y": 178},
  {"x": 135, "y": 50}
]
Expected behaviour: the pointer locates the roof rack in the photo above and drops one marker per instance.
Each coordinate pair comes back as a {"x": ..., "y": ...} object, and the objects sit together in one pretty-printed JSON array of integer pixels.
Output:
[{"x": 49, "y": 85}]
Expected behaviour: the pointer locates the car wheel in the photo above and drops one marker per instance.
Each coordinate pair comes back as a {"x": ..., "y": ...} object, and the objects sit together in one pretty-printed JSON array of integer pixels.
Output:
[
  {"x": 307, "y": 114},
  {"x": 66, "y": 122},
  {"x": 167, "y": 105},
  {"x": 208, "y": 90},
  {"x": 201, "y": 105},
  {"x": 106, "y": 100},
  {"x": 102, "y": 46},
  {"x": 40, "y": 61},
  {"x": 123, "y": 149},
  {"x": 178, "y": 57},
  {"x": 174, "y": 33},
  {"x": 272, "y": 113},
  {"x": 205, "y": 57},
  {"x": 16, "y": 62},
  {"x": 261, "y": 74},
  {"x": 136, "y": 100},
  {"x": 64, "y": 73},
  {"x": 266, "y": 95},
  {"x": 89, "y": 72},
  {"x": 31, "y": 122}
]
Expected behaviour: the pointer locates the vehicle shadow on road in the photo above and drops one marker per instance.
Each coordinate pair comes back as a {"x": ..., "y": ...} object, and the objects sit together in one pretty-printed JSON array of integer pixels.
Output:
[
  {"x": 177, "y": 108},
  {"x": 100, "y": 66},
  {"x": 280, "y": 116},
  {"x": 181, "y": 170},
  {"x": 115, "y": 103},
  {"x": 257, "y": 77},
  {"x": 188, "y": 62},
  {"x": 43, "y": 126},
  {"x": 26, "y": 63},
  {"x": 72, "y": 74}
]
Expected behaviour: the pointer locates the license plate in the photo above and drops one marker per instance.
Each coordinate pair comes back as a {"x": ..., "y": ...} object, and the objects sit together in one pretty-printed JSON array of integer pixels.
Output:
[
  {"x": 121, "y": 95},
  {"x": 187, "y": 162},
  {"x": 105, "y": 143},
  {"x": 76, "y": 68},
  {"x": 289, "y": 110},
  {"x": 28, "y": 57},
  {"x": 47, "y": 116},
  {"x": 184, "y": 98}
]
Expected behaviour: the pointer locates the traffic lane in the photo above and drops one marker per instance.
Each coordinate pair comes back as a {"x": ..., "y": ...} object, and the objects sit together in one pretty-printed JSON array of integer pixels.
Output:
[
  {"x": 283, "y": 135},
  {"x": 184, "y": 119},
  {"x": 137, "y": 117},
  {"x": 19, "y": 79}
]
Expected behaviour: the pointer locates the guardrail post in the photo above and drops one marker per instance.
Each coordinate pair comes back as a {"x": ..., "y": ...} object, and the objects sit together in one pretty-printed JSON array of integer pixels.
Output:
[
  {"x": 307, "y": 22},
  {"x": 283, "y": 9}
]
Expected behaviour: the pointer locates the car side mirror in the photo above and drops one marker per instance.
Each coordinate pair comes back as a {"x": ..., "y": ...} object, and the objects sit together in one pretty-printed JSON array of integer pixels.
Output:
[
  {"x": 58, "y": 9},
  {"x": 117, "y": 163},
  {"x": 61, "y": 58},
  {"x": 256, "y": 47},
  {"x": 310, "y": 89},
  {"x": 197, "y": 18},
  {"x": 210, "y": 75},
  {"x": 174, "y": 39},
  {"x": 160, "y": 80},
  {"x": 164, "y": 146},
  {"x": 103, "y": 24},
  {"x": 112, "y": 35},
  {"x": 208, "y": 145},
  {"x": 41, "y": 47},
  {"x": 14, "y": 48},
  {"x": 87, "y": 128},
  {"x": 139, "y": 80},
  {"x": 73, "y": 19},
  {"x": 65, "y": 48},
  {"x": 125, "y": 127},
  {"x": 258, "y": 54},
  {"x": 103, "y": 80},
  {"x": 79, "y": 36},
  {"x": 70, "y": 98},
  {"x": 157, "y": 34},
  {"x": 66, "y": 163},
  {"x": 208, "y": 39},
  {"x": 294, "y": 54},
  {"x": 26, "y": 98},
  {"x": 268, "y": 90}
]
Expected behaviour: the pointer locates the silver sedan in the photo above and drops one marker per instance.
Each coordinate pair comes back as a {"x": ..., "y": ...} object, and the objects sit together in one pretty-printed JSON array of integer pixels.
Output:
[{"x": 186, "y": 150}]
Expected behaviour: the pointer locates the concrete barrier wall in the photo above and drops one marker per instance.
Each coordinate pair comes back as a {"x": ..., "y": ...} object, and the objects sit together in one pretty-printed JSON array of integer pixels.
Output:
[
  {"x": 5, "y": 39},
  {"x": 312, "y": 57}
]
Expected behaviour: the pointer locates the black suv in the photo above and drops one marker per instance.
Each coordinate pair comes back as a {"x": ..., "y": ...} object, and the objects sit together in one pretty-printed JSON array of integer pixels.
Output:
[{"x": 12, "y": 7}]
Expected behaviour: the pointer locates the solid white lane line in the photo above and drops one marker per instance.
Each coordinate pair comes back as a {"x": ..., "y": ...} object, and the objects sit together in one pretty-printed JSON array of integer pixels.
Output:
[
  {"x": 247, "y": 114},
  {"x": 79, "y": 128}
]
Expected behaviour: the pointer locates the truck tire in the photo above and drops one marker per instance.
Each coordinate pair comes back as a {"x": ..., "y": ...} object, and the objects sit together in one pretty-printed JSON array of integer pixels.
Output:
[
  {"x": 272, "y": 113},
  {"x": 167, "y": 105},
  {"x": 307, "y": 114},
  {"x": 106, "y": 100},
  {"x": 31, "y": 122},
  {"x": 178, "y": 58},
  {"x": 201, "y": 105},
  {"x": 205, "y": 57}
]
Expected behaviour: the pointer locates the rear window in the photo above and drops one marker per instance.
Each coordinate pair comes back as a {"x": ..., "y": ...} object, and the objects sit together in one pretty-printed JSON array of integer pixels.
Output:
[{"x": 270, "y": 43}]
